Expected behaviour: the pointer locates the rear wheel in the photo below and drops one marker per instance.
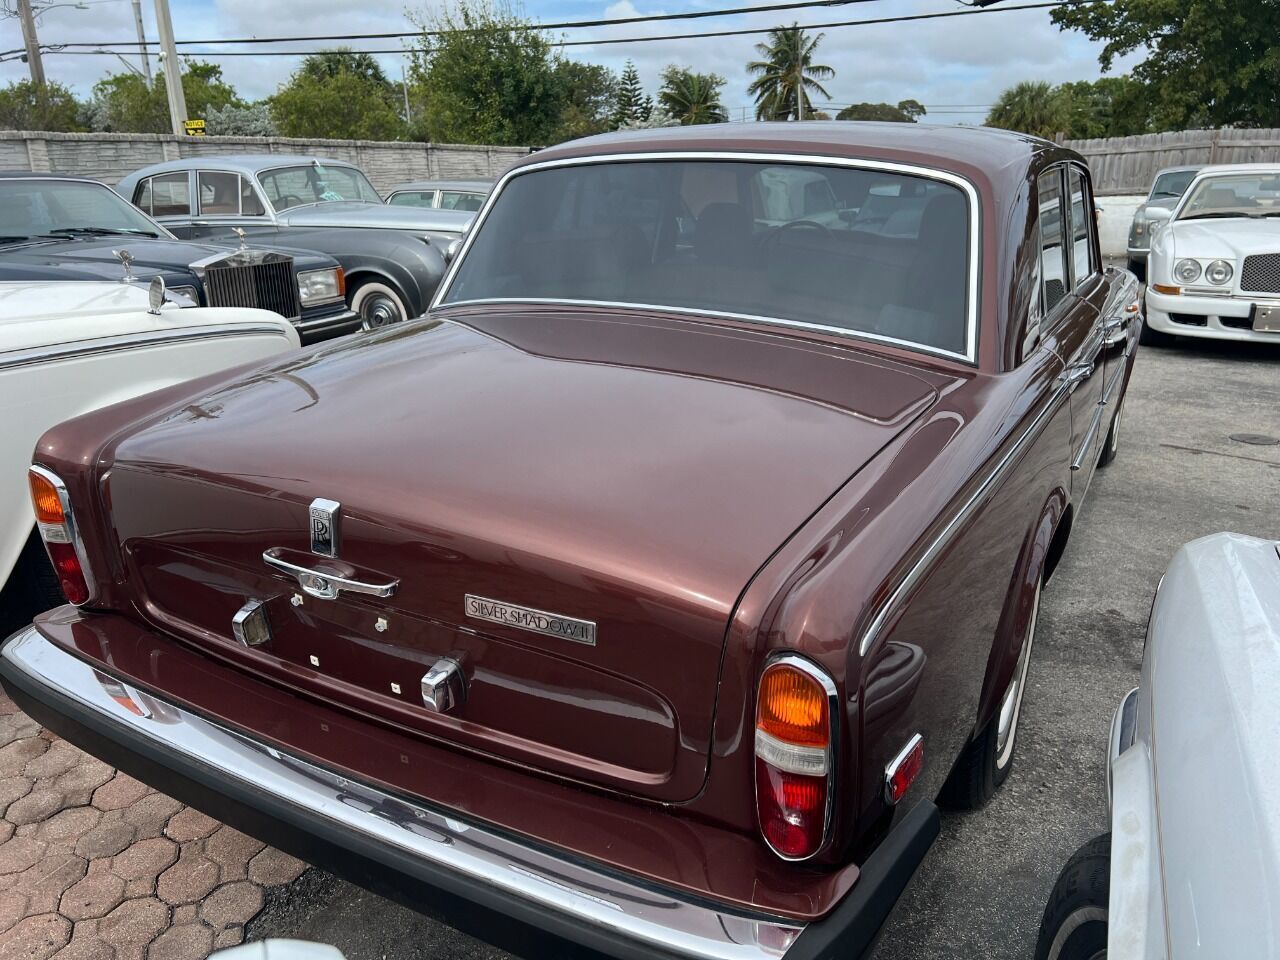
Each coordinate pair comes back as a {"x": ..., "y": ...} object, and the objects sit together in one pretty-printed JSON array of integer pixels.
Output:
[
  {"x": 1075, "y": 919},
  {"x": 379, "y": 304},
  {"x": 1112, "y": 446},
  {"x": 986, "y": 762}
]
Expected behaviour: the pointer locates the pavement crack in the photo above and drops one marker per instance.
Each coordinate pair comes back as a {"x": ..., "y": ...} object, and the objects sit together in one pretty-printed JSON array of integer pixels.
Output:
[{"x": 1219, "y": 453}]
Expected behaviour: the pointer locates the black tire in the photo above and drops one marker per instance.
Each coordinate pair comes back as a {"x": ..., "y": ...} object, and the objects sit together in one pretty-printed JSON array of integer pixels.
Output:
[
  {"x": 1112, "y": 445},
  {"x": 988, "y": 759},
  {"x": 1074, "y": 926},
  {"x": 1155, "y": 338},
  {"x": 32, "y": 588},
  {"x": 1138, "y": 268}
]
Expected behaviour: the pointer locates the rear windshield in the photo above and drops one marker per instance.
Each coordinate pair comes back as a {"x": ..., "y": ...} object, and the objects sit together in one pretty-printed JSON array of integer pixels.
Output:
[{"x": 866, "y": 251}]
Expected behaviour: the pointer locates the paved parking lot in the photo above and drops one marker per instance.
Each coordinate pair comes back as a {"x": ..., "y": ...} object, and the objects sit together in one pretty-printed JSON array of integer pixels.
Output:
[{"x": 167, "y": 883}]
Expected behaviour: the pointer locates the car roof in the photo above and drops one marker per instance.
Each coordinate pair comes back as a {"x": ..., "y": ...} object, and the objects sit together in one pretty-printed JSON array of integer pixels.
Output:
[
  {"x": 1239, "y": 168},
  {"x": 992, "y": 152},
  {"x": 44, "y": 175},
  {"x": 481, "y": 186},
  {"x": 249, "y": 163}
]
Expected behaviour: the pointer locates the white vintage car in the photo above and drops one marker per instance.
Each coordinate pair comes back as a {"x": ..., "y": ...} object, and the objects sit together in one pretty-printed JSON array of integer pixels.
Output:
[
  {"x": 1214, "y": 268},
  {"x": 1191, "y": 865},
  {"x": 69, "y": 347}
]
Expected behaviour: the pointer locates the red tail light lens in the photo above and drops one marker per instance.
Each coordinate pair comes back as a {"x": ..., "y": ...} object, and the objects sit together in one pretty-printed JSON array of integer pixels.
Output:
[
  {"x": 56, "y": 523},
  {"x": 794, "y": 749}
]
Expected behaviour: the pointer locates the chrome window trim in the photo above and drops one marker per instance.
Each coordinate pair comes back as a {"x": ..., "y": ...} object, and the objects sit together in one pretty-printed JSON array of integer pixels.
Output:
[
  {"x": 960, "y": 517},
  {"x": 73, "y": 529},
  {"x": 650, "y": 919},
  {"x": 811, "y": 669},
  {"x": 129, "y": 341},
  {"x": 970, "y": 354}
]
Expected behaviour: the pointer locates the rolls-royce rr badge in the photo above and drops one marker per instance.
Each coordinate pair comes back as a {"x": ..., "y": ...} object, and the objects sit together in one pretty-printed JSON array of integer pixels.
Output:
[{"x": 324, "y": 527}]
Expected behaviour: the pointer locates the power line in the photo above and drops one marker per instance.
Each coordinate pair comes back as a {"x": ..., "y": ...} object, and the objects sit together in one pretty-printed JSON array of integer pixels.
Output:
[
  {"x": 967, "y": 12},
  {"x": 563, "y": 25}
]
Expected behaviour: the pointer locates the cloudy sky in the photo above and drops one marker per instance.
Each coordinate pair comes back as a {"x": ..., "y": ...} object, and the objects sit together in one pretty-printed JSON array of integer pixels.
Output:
[{"x": 955, "y": 66}]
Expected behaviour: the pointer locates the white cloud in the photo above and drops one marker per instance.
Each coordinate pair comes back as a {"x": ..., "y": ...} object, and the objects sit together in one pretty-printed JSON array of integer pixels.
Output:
[{"x": 963, "y": 60}]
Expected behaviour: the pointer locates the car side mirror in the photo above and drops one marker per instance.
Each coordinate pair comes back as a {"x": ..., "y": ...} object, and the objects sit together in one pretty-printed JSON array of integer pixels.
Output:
[
  {"x": 1158, "y": 213},
  {"x": 156, "y": 295}
]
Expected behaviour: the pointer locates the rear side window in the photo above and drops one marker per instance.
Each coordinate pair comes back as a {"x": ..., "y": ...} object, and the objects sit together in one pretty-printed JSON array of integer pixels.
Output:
[
  {"x": 1053, "y": 247},
  {"x": 413, "y": 198},
  {"x": 168, "y": 195},
  {"x": 455, "y": 200},
  {"x": 1082, "y": 265}
]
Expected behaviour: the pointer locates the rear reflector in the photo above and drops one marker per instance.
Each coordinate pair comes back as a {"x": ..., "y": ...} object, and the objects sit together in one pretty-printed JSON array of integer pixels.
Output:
[
  {"x": 56, "y": 523},
  {"x": 794, "y": 747},
  {"x": 903, "y": 770}
]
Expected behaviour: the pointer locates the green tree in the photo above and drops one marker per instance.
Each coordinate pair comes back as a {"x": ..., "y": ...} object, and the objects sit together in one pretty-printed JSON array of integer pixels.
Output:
[
  {"x": 338, "y": 94},
  {"x": 26, "y": 106},
  {"x": 907, "y": 111},
  {"x": 1108, "y": 107},
  {"x": 786, "y": 74},
  {"x": 590, "y": 92},
  {"x": 122, "y": 102},
  {"x": 632, "y": 105},
  {"x": 1209, "y": 63},
  {"x": 1032, "y": 106},
  {"x": 691, "y": 97},
  {"x": 481, "y": 75}
]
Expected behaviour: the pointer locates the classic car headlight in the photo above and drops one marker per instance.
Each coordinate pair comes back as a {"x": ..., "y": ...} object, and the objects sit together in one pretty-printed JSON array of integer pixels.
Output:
[
  {"x": 180, "y": 295},
  {"x": 1188, "y": 270},
  {"x": 1218, "y": 272},
  {"x": 320, "y": 286}
]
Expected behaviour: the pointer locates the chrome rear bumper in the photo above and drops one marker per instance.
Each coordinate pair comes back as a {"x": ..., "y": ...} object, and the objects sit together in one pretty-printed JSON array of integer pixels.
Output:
[{"x": 480, "y": 878}]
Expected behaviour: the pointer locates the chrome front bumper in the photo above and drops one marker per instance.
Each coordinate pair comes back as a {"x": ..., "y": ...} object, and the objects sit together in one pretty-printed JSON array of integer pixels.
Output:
[{"x": 341, "y": 821}]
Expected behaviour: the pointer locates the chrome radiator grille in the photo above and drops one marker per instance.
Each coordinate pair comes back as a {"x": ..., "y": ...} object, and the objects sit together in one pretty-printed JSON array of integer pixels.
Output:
[
  {"x": 270, "y": 285},
  {"x": 1261, "y": 273}
]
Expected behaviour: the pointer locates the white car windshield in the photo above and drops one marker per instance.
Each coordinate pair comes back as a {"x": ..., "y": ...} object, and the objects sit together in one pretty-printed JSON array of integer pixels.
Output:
[
  {"x": 60, "y": 208},
  {"x": 842, "y": 248},
  {"x": 1234, "y": 195},
  {"x": 289, "y": 187}
]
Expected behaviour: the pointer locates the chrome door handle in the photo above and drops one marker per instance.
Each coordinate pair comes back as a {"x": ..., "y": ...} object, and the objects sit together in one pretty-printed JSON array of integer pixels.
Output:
[
  {"x": 1076, "y": 373},
  {"x": 326, "y": 586}
]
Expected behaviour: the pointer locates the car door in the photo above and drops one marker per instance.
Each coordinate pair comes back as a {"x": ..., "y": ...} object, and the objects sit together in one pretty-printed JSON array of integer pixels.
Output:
[
  {"x": 167, "y": 198},
  {"x": 1071, "y": 293},
  {"x": 225, "y": 202}
]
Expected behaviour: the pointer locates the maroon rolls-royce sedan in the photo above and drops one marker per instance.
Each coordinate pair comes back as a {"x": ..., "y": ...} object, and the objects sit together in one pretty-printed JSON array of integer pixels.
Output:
[{"x": 646, "y": 595}]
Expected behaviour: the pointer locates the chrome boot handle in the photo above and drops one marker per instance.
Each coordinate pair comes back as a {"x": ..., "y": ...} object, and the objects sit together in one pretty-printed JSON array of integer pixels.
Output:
[{"x": 323, "y": 585}]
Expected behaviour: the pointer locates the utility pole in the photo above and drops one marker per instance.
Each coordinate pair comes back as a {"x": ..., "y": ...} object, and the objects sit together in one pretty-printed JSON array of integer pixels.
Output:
[
  {"x": 404, "y": 85},
  {"x": 33, "y": 45},
  {"x": 800, "y": 88},
  {"x": 172, "y": 69},
  {"x": 142, "y": 42}
]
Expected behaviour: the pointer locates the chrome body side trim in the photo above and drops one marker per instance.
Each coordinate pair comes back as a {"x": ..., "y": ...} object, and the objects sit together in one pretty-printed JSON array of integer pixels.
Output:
[
  {"x": 73, "y": 531},
  {"x": 130, "y": 341},
  {"x": 961, "y": 516},
  {"x": 591, "y": 898},
  {"x": 834, "y": 746},
  {"x": 970, "y": 353}
]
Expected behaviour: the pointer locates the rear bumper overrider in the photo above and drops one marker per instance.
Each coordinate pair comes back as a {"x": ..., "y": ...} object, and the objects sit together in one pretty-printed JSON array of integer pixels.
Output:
[{"x": 500, "y": 886}]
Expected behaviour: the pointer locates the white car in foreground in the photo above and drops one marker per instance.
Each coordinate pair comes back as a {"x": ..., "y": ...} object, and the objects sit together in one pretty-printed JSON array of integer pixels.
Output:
[
  {"x": 70, "y": 347},
  {"x": 1191, "y": 865},
  {"x": 1214, "y": 268}
]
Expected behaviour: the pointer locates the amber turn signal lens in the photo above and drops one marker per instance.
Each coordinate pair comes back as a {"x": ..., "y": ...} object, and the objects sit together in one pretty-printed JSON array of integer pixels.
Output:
[
  {"x": 46, "y": 500},
  {"x": 1167, "y": 289},
  {"x": 793, "y": 707}
]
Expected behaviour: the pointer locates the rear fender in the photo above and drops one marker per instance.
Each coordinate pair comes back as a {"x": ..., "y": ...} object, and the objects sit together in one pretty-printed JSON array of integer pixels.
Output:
[{"x": 1033, "y": 559}]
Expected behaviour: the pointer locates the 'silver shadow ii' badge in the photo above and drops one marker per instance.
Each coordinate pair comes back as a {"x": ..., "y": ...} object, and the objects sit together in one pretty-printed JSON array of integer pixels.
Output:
[
  {"x": 535, "y": 621},
  {"x": 324, "y": 527}
]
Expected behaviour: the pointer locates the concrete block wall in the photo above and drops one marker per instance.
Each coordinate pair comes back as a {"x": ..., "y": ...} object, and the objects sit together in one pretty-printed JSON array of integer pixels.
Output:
[{"x": 111, "y": 156}]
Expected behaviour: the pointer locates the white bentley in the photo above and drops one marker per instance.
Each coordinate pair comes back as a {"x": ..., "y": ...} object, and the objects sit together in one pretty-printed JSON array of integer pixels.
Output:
[
  {"x": 70, "y": 347},
  {"x": 1214, "y": 269}
]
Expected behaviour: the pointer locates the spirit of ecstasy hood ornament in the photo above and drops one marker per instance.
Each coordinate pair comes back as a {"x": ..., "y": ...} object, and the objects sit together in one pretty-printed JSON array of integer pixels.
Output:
[{"x": 126, "y": 259}]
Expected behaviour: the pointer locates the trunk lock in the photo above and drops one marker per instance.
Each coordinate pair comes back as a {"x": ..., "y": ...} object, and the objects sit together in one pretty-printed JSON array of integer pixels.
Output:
[
  {"x": 444, "y": 686},
  {"x": 250, "y": 625}
]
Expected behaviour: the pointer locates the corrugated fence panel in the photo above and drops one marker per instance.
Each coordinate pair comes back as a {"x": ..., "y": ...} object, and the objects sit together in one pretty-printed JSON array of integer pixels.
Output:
[{"x": 1127, "y": 165}]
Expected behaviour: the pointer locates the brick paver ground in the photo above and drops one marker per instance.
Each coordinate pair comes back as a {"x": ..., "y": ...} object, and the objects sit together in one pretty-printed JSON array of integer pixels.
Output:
[{"x": 97, "y": 866}]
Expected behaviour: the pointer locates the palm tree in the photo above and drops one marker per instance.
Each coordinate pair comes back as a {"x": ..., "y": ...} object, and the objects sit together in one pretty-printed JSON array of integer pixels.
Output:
[
  {"x": 692, "y": 97},
  {"x": 1032, "y": 106},
  {"x": 786, "y": 74}
]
